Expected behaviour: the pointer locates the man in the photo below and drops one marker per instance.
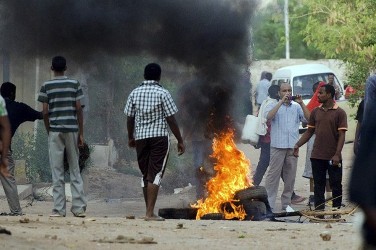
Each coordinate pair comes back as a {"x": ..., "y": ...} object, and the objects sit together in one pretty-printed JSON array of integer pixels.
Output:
[
  {"x": 262, "y": 87},
  {"x": 264, "y": 141},
  {"x": 329, "y": 123},
  {"x": 363, "y": 176},
  {"x": 285, "y": 117},
  {"x": 63, "y": 119},
  {"x": 336, "y": 87},
  {"x": 149, "y": 109},
  {"x": 18, "y": 113}
]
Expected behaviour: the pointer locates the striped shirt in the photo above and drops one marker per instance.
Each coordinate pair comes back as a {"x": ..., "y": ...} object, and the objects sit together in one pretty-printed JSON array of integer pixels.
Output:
[
  {"x": 61, "y": 94},
  {"x": 285, "y": 125},
  {"x": 3, "y": 109},
  {"x": 150, "y": 104}
]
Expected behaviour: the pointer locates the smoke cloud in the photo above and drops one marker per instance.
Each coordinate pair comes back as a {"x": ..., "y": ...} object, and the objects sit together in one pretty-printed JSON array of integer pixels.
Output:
[{"x": 211, "y": 36}]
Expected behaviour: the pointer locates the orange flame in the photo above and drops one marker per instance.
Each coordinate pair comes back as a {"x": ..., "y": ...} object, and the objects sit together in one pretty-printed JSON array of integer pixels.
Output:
[{"x": 232, "y": 174}]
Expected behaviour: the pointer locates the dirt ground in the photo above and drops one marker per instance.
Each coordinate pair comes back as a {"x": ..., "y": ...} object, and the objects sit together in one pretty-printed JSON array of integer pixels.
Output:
[{"x": 109, "y": 223}]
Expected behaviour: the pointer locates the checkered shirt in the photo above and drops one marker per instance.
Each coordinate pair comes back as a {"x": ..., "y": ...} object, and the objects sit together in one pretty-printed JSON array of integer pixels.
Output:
[{"x": 150, "y": 104}]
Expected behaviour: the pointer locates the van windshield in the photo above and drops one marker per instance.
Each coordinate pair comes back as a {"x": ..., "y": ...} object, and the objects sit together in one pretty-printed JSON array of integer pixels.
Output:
[{"x": 302, "y": 85}]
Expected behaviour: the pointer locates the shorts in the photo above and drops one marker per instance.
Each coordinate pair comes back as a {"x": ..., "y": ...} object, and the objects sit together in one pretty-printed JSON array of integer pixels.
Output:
[{"x": 152, "y": 155}]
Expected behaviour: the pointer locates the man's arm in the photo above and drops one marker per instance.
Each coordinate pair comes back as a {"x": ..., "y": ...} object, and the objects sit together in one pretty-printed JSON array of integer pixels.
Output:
[
  {"x": 130, "y": 129},
  {"x": 45, "y": 117},
  {"x": 176, "y": 131},
  {"x": 305, "y": 137},
  {"x": 341, "y": 141},
  {"x": 271, "y": 114},
  {"x": 30, "y": 114},
  {"x": 5, "y": 138},
  {"x": 80, "y": 119}
]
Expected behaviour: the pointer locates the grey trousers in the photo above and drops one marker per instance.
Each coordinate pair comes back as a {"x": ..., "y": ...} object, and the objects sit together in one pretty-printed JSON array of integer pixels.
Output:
[
  {"x": 10, "y": 187},
  {"x": 57, "y": 142},
  {"x": 282, "y": 164}
]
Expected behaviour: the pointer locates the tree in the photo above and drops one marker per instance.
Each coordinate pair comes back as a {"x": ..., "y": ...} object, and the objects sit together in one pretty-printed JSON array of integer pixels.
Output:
[
  {"x": 269, "y": 34},
  {"x": 344, "y": 30}
]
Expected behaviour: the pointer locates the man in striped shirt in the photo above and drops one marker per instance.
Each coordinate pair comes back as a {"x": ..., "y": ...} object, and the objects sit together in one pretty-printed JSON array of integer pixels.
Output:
[
  {"x": 149, "y": 109},
  {"x": 62, "y": 114}
]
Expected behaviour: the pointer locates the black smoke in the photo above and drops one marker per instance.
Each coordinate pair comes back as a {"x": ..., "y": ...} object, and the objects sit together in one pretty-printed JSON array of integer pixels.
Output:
[{"x": 210, "y": 36}]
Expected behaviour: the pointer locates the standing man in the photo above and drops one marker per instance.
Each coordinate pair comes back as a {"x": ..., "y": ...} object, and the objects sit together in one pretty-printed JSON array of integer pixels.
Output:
[
  {"x": 363, "y": 176},
  {"x": 149, "y": 109},
  {"x": 262, "y": 88},
  {"x": 18, "y": 113},
  {"x": 285, "y": 117},
  {"x": 63, "y": 119},
  {"x": 329, "y": 123},
  {"x": 336, "y": 87}
]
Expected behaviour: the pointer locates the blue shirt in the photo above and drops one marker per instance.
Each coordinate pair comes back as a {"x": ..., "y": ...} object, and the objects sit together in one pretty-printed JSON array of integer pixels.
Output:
[{"x": 284, "y": 131}]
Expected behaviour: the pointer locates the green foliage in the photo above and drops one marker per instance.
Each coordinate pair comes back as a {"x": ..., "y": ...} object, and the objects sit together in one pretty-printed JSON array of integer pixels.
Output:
[
  {"x": 269, "y": 32},
  {"x": 345, "y": 30},
  {"x": 34, "y": 152}
]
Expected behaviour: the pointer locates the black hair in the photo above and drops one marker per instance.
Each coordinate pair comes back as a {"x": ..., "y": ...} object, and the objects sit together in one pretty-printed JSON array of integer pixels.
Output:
[
  {"x": 59, "y": 63},
  {"x": 273, "y": 91},
  {"x": 152, "y": 72},
  {"x": 268, "y": 76},
  {"x": 329, "y": 89},
  {"x": 8, "y": 90},
  {"x": 315, "y": 85}
]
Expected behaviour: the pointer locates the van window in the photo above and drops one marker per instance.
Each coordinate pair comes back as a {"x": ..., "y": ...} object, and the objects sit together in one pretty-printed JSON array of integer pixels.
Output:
[
  {"x": 302, "y": 85},
  {"x": 280, "y": 81}
]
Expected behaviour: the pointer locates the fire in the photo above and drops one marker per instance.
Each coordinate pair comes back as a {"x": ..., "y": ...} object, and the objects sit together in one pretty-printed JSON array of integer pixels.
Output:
[{"x": 232, "y": 170}]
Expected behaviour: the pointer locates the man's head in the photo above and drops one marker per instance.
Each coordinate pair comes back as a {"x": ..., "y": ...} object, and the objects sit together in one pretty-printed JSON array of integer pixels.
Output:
[
  {"x": 273, "y": 91},
  {"x": 268, "y": 76},
  {"x": 59, "y": 64},
  {"x": 152, "y": 72},
  {"x": 331, "y": 78},
  {"x": 8, "y": 90},
  {"x": 285, "y": 88},
  {"x": 326, "y": 93}
]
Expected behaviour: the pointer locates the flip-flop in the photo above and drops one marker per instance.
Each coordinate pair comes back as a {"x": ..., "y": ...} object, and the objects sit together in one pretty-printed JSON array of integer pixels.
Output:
[{"x": 154, "y": 218}]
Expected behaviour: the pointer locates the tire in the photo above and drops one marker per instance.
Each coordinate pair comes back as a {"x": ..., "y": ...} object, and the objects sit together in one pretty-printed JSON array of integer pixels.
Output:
[
  {"x": 178, "y": 213},
  {"x": 255, "y": 210},
  {"x": 213, "y": 216},
  {"x": 255, "y": 192}
]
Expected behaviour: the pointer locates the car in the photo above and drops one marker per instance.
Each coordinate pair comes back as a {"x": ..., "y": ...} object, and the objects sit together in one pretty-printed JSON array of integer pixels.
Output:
[{"x": 302, "y": 77}]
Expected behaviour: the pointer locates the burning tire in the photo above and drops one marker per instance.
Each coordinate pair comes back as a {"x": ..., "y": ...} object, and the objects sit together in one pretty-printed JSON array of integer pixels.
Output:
[
  {"x": 255, "y": 210},
  {"x": 213, "y": 216},
  {"x": 255, "y": 192},
  {"x": 178, "y": 213}
]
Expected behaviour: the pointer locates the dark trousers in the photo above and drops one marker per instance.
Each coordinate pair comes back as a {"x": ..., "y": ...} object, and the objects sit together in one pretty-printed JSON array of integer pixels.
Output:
[
  {"x": 319, "y": 168},
  {"x": 263, "y": 163}
]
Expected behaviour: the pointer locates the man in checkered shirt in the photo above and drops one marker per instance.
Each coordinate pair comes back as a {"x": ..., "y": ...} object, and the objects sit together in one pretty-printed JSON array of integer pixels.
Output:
[{"x": 149, "y": 109}]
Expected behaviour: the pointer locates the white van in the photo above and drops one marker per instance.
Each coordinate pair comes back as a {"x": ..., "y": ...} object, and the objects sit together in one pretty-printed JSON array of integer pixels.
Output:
[{"x": 302, "y": 77}]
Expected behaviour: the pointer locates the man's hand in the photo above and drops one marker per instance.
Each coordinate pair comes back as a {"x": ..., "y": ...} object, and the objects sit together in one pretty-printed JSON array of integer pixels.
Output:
[
  {"x": 181, "y": 148},
  {"x": 4, "y": 167},
  {"x": 132, "y": 143},
  {"x": 80, "y": 141},
  {"x": 296, "y": 151},
  {"x": 299, "y": 99},
  {"x": 335, "y": 160}
]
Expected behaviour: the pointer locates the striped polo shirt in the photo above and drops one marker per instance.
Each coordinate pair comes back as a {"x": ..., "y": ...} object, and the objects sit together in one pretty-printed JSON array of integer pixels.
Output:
[
  {"x": 150, "y": 104},
  {"x": 61, "y": 94}
]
